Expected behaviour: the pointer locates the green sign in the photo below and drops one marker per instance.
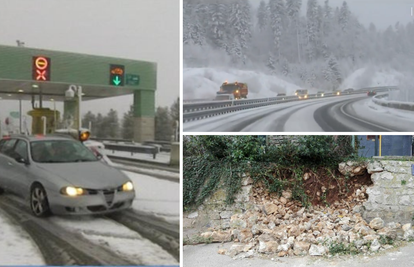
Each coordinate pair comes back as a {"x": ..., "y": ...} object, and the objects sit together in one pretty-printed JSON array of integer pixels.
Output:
[
  {"x": 15, "y": 114},
  {"x": 116, "y": 75},
  {"x": 132, "y": 79}
]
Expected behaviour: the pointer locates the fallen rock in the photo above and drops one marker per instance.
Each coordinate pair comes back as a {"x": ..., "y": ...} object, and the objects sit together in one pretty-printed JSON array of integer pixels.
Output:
[
  {"x": 222, "y": 251},
  {"x": 268, "y": 247},
  {"x": 317, "y": 250},
  {"x": 375, "y": 245},
  {"x": 270, "y": 208},
  {"x": 193, "y": 215},
  {"x": 376, "y": 223},
  {"x": 218, "y": 236},
  {"x": 282, "y": 254},
  {"x": 287, "y": 194},
  {"x": 406, "y": 227},
  {"x": 301, "y": 248}
]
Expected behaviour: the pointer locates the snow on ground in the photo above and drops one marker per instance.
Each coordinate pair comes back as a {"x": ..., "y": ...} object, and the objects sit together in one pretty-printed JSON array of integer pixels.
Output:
[
  {"x": 117, "y": 238},
  {"x": 161, "y": 157},
  {"x": 16, "y": 246},
  {"x": 371, "y": 77},
  {"x": 158, "y": 197},
  {"x": 205, "y": 82}
]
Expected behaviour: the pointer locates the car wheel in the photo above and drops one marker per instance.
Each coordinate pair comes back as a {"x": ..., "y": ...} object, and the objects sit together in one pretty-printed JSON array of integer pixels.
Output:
[{"x": 39, "y": 203}]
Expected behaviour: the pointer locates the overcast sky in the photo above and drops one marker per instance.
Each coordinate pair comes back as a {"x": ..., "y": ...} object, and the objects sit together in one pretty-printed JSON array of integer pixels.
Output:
[
  {"x": 380, "y": 12},
  {"x": 133, "y": 29}
]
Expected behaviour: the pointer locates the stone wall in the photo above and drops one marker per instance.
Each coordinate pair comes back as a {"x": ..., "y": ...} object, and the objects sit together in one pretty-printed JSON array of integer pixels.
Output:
[
  {"x": 392, "y": 195},
  {"x": 214, "y": 213}
]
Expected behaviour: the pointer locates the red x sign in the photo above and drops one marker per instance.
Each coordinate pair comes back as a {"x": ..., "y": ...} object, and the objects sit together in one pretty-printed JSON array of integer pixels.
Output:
[{"x": 41, "y": 68}]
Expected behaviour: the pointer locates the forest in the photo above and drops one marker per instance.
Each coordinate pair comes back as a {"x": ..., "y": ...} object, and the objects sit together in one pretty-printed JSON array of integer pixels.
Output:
[{"x": 317, "y": 48}]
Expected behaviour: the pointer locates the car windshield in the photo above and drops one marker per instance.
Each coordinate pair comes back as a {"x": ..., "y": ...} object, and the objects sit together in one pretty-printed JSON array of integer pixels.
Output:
[{"x": 60, "y": 151}]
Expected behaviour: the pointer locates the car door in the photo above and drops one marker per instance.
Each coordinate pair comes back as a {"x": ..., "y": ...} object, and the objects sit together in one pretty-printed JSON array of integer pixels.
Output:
[
  {"x": 6, "y": 145},
  {"x": 19, "y": 175}
]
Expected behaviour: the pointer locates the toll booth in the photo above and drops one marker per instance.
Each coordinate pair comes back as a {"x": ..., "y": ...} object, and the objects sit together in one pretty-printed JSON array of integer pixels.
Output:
[{"x": 37, "y": 75}]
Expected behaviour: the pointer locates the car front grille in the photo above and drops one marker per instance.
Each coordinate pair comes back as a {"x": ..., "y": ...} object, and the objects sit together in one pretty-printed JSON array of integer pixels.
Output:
[{"x": 109, "y": 196}]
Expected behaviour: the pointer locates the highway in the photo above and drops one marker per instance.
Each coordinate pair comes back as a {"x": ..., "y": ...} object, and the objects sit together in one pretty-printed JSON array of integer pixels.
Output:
[{"x": 351, "y": 113}]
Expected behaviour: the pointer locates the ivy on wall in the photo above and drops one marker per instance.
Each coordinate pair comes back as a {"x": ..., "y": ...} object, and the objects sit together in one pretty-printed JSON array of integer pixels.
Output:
[{"x": 213, "y": 161}]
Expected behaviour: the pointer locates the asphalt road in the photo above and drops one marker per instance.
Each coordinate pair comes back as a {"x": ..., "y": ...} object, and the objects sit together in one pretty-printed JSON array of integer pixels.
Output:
[
  {"x": 354, "y": 113},
  {"x": 206, "y": 256}
]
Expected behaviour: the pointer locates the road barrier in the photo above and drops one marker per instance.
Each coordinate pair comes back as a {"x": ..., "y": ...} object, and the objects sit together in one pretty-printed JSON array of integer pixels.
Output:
[
  {"x": 197, "y": 111},
  {"x": 379, "y": 100}
]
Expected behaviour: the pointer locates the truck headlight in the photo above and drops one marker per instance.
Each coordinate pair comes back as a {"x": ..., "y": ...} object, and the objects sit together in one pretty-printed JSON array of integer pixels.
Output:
[
  {"x": 128, "y": 186},
  {"x": 72, "y": 191}
]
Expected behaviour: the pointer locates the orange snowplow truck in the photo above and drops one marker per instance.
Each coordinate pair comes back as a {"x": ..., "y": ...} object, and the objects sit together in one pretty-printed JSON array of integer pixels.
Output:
[{"x": 239, "y": 90}]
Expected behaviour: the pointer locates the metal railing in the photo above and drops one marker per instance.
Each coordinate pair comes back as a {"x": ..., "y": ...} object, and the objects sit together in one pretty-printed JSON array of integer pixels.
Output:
[{"x": 197, "y": 111}]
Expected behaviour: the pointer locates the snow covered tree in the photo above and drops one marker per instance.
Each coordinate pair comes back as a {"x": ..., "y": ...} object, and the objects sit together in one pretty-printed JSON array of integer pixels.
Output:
[
  {"x": 240, "y": 22},
  {"x": 344, "y": 16},
  {"x": 292, "y": 10},
  {"x": 218, "y": 24},
  {"x": 262, "y": 16},
  {"x": 277, "y": 17}
]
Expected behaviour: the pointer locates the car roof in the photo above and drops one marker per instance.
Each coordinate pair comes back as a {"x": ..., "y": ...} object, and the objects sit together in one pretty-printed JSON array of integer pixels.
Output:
[{"x": 32, "y": 138}]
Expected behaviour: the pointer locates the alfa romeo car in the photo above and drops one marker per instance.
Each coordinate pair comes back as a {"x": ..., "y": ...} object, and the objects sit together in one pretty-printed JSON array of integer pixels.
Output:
[{"x": 59, "y": 175}]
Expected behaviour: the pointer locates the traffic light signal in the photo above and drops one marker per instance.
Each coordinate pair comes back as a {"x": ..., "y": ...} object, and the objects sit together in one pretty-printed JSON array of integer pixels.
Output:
[
  {"x": 116, "y": 75},
  {"x": 41, "y": 68}
]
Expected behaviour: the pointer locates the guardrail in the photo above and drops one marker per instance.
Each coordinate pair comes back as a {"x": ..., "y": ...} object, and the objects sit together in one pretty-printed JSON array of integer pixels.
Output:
[
  {"x": 196, "y": 111},
  {"x": 392, "y": 104},
  {"x": 133, "y": 149},
  {"x": 164, "y": 146}
]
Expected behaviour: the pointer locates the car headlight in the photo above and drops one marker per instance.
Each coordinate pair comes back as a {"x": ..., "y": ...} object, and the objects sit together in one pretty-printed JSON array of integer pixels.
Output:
[
  {"x": 128, "y": 186},
  {"x": 72, "y": 191}
]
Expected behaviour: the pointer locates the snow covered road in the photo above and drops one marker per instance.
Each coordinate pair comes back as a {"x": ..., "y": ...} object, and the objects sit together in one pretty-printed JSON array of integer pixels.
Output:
[{"x": 341, "y": 114}]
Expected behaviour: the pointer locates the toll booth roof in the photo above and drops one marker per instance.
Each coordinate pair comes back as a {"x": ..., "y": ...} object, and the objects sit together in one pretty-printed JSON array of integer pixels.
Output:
[{"x": 26, "y": 71}]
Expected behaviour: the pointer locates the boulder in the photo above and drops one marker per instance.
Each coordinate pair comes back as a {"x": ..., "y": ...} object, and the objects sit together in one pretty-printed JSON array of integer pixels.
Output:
[
  {"x": 376, "y": 223},
  {"x": 317, "y": 250}
]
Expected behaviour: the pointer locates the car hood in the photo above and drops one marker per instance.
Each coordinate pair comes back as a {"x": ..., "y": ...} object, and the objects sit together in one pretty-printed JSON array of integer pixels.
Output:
[{"x": 90, "y": 175}]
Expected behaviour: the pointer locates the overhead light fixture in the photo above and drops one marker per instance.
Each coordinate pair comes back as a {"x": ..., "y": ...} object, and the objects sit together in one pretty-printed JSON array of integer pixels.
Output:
[
  {"x": 20, "y": 90},
  {"x": 9, "y": 95},
  {"x": 35, "y": 86}
]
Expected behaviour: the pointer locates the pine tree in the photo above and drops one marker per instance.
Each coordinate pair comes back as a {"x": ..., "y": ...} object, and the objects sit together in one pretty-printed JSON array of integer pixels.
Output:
[
  {"x": 163, "y": 126},
  {"x": 262, "y": 16},
  {"x": 277, "y": 17},
  {"x": 128, "y": 124},
  {"x": 240, "y": 23},
  {"x": 292, "y": 10},
  {"x": 344, "y": 16},
  {"x": 218, "y": 24}
]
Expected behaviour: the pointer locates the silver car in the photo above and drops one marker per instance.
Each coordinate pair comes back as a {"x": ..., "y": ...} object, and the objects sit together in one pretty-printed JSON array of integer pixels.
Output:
[{"x": 60, "y": 175}]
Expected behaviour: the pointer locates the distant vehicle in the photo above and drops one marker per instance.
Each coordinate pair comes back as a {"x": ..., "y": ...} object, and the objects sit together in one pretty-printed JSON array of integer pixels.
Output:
[
  {"x": 371, "y": 93},
  {"x": 239, "y": 90},
  {"x": 224, "y": 97},
  {"x": 302, "y": 93},
  {"x": 320, "y": 94},
  {"x": 349, "y": 90},
  {"x": 281, "y": 94},
  {"x": 337, "y": 92},
  {"x": 59, "y": 175}
]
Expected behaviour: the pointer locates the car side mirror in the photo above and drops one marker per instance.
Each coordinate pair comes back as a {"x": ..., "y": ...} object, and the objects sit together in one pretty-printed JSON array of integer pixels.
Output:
[{"x": 21, "y": 160}]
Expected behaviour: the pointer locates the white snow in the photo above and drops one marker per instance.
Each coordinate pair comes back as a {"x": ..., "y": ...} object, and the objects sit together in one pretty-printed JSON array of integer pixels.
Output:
[
  {"x": 16, "y": 246},
  {"x": 371, "y": 77},
  {"x": 117, "y": 238},
  {"x": 205, "y": 82},
  {"x": 161, "y": 157},
  {"x": 156, "y": 196}
]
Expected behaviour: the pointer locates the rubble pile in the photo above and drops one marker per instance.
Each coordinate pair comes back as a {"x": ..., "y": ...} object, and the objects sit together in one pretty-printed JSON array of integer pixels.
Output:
[{"x": 279, "y": 225}]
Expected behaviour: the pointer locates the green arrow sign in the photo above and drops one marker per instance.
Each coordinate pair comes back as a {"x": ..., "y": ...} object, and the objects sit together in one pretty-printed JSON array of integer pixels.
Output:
[{"x": 116, "y": 81}]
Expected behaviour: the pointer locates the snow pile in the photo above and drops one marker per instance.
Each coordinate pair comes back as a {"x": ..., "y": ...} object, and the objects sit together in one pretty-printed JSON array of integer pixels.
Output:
[
  {"x": 371, "y": 77},
  {"x": 16, "y": 246},
  {"x": 205, "y": 82},
  {"x": 159, "y": 197}
]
